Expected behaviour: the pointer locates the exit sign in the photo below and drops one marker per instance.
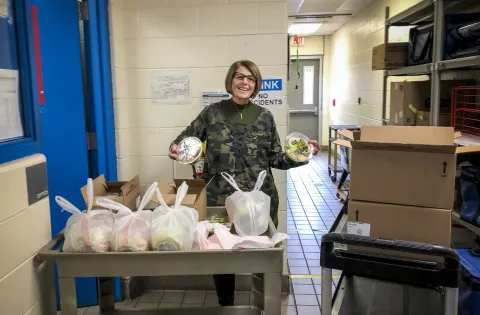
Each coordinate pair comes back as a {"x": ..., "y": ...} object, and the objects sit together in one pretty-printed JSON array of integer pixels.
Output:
[{"x": 298, "y": 40}]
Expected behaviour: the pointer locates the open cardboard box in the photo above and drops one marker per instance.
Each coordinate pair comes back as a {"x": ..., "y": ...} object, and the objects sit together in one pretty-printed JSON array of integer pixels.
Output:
[
  {"x": 125, "y": 193},
  {"x": 196, "y": 196},
  {"x": 404, "y": 165}
]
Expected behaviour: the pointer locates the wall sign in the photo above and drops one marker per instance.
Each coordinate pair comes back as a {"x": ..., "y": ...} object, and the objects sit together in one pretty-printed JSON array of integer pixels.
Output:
[
  {"x": 37, "y": 184},
  {"x": 298, "y": 40},
  {"x": 271, "y": 93},
  {"x": 209, "y": 98}
]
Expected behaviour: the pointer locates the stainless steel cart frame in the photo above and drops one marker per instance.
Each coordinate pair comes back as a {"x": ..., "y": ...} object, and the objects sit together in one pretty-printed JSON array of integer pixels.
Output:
[
  {"x": 443, "y": 274},
  {"x": 266, "y": 266}
]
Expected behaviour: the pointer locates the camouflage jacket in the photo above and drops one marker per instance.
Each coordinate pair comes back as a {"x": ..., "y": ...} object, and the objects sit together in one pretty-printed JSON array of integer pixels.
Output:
[{"x": 240, "y": 150}]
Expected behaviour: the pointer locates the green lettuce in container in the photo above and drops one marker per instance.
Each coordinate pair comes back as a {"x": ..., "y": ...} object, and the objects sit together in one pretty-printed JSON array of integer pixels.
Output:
[{"x": 297, "y": 147}]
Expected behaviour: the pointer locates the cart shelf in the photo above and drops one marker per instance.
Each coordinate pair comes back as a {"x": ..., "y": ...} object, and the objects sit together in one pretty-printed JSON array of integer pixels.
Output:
[{"x": 265, "y": 265}]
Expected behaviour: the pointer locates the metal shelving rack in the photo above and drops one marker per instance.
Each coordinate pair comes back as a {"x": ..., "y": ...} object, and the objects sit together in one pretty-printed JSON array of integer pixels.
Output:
[
  {"x": 429, "y": 11},
  {"x": 456, "y": 217}
]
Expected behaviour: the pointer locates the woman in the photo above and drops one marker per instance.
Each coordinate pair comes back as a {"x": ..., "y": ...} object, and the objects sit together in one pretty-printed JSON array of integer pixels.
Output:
[{"x": 242, "y": 140}]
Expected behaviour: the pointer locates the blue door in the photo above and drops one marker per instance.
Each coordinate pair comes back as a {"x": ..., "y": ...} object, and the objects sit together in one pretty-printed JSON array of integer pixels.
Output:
[{"x": 54, "y": 36}]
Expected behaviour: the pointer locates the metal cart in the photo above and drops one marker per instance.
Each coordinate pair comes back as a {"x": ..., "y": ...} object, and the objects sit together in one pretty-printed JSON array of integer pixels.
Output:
[
  {"x": 265, "y": 265},
  {"x": 380, "y": 284},
  {"x": 333, "y": 154}
]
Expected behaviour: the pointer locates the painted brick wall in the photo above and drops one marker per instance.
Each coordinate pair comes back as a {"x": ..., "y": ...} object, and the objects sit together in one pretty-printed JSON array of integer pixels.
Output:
[
  {"x": 202, "y": 36},
  {"x": 351, "y": 64}
]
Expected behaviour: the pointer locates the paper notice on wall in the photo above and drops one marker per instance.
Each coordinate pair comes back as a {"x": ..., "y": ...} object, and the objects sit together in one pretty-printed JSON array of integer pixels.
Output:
[
  {"x": 3, "y": 9},
  {"x": 10, "y": 118},
  {"x": 209, "y": 98},
  {"x": 171, "y": 87}
]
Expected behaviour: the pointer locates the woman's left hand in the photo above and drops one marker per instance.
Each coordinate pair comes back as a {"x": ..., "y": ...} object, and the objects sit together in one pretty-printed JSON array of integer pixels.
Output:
[{"x": 315, "y": 146}]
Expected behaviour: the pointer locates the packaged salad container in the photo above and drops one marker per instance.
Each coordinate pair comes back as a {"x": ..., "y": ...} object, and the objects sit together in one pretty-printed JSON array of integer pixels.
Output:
[
  {"x": 297, "y": 148},
  {"x": 189, "y": 150}
]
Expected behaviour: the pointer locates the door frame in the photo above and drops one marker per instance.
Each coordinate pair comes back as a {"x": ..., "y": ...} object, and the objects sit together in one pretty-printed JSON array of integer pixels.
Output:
[
  {"x": 319, "y": 112},
  {"x": 101, "y": 121},
  {"x": 100, "y": 90}
]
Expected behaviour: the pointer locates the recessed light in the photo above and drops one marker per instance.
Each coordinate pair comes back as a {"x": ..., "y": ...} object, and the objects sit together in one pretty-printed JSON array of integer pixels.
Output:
[{"x": 303, "y": 28}]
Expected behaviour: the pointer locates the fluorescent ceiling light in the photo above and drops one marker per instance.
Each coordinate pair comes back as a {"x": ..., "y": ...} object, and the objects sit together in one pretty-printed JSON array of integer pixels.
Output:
[{"x": 303, "y": 28}]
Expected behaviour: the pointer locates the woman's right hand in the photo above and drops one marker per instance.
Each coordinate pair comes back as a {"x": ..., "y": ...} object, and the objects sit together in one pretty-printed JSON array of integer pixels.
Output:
[{"x": 172, "y": 152}]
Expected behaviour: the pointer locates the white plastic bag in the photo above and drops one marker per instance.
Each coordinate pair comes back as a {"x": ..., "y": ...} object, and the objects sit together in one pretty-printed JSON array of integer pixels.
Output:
[
  {"x": 173, "y": 228},
  {"x": 131, "y": 230},
  {"x": 201, "y": 241},
  {"x": 227, "y": 240},
  {"x": 249, "y": 211},
  {"x": 89, "y": 231}
]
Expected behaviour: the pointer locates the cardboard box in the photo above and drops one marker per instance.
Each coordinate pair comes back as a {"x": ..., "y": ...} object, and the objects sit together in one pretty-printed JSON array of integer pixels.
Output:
[
  {"x": 196, "y": 196},
  {"x": 407, "y": 98},
  {"x": 396, "y": 56},
  {"x": 125, "y": 193},
  {"x": 404, "y": 165},
  {"x": 422, "y": 118},
  {"x": 397, "y": 222}
]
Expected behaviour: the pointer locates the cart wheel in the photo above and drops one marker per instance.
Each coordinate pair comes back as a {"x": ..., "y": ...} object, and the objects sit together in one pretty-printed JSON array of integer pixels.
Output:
[
  {"x": 329, "y": 172},
  {"x": 338, "y": 195},
  {"x": 334, "y": 178}
]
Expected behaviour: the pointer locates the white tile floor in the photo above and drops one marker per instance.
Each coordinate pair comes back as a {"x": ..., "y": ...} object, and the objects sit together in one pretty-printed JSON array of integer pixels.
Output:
[{"x": 312, "y": 209}]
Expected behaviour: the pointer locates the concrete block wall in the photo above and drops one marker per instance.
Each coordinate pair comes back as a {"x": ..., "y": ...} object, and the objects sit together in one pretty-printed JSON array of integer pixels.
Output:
[
  {"x": 26, "y": 284},
  {"x": 351, "y": 64},
  {"x": 203, "y": 37}
]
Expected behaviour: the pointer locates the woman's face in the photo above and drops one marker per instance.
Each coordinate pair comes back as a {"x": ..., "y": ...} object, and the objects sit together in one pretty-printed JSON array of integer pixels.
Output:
[{"x": 243, "y": 83}]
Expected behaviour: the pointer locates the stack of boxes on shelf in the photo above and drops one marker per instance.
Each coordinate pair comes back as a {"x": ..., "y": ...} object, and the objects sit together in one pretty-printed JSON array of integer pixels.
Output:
[
  {"x": 410, "y": 102},
  {"x": 402, "y": 183}
]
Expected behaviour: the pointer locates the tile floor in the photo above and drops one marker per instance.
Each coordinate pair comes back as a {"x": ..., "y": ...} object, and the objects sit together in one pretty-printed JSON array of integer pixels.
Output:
[{"x": 312, "y": 209}]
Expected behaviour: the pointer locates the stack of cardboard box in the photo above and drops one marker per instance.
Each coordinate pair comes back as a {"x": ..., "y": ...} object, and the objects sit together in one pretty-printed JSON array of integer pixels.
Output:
[{"x": 402, "y": 182}]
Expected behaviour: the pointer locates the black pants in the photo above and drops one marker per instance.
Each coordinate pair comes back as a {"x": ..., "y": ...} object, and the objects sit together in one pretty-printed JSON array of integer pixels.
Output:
[
  {"x": 225, "y": 284},
  {"x": 225, "y": 287}
]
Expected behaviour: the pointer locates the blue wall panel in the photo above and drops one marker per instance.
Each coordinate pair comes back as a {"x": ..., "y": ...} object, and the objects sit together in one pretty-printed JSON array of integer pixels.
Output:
[{"x": 63, "y": 114}]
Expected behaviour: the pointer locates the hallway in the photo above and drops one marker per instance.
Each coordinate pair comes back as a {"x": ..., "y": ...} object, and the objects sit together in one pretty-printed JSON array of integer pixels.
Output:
[{"x": 312, "y": 209}]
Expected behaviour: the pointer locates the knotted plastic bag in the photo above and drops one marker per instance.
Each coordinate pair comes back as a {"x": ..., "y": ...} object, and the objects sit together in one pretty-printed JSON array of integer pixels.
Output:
[
  {"x": 249, "y": 211},
  {"x": 201, "y": 241},
  {"x": 131, "y": 230},
  {"x": 173, "y": 228},
  {"x": 89, "y": 231}
]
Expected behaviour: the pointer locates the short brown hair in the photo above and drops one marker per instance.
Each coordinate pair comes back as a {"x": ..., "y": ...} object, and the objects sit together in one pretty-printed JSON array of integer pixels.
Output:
[{"x": 252, "y": 67}]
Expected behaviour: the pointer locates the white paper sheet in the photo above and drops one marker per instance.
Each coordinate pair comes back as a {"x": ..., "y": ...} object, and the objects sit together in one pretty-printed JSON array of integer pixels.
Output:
[
  {"x": 10, "y": 118},
  {"x": 171, "y": 87},
  {"x": 3, "y": 8}
]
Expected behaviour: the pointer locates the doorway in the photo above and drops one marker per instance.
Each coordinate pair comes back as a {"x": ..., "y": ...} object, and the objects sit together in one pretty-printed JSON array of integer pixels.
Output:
[{"x": 304, "y": 96}]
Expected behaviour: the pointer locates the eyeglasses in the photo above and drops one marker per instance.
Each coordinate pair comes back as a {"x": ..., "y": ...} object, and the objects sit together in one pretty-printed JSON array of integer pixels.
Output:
[{"x": 240, "y": 76}]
